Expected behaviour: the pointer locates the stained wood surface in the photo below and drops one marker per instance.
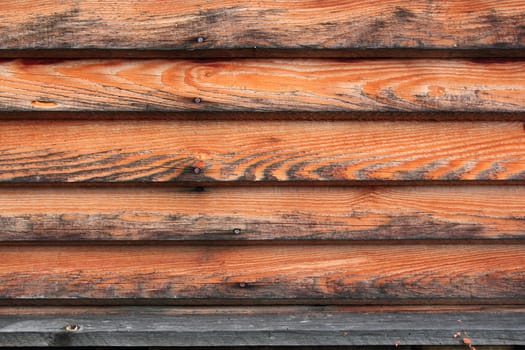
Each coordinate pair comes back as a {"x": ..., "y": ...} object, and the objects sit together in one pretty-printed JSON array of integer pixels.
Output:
[
  {"x": 262, "y": 213},
  {"x": 263, "y": 85},
  {"x": 132, "y": 205},
  {"x": 254, "y": 151},
  {"x": 233, "y": 24},
  {"x": 298, "y": 327},
  {"x": 338, "y": 273}
]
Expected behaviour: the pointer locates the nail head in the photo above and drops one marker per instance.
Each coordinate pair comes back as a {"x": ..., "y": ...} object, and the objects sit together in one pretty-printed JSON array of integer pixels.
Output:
[
  {"x": 197, "y": 170},
  {"x": 236, "y": 231},
  {"x": 197, "y": 100},
  {"x": 200, "y": 39},
  {"x": 72, "y": 327}
]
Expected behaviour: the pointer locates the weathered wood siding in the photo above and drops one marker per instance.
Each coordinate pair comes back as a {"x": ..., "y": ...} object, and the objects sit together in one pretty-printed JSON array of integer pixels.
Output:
[
  {"x": 408, "y": 85},
  {"x": 270, "y": 173},
  {"x": 287, "y": 213},
  {"x": 198, "y": 25}
]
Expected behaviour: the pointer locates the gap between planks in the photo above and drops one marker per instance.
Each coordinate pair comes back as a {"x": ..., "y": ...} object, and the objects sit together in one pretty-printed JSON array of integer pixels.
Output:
[
  {"x": 265, "y": 116},
  {"x": 258, "y": 53}
]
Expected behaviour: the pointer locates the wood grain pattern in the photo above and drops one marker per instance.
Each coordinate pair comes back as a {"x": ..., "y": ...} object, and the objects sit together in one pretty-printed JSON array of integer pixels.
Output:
[
  {"x": 253, "y": 213},
  {"x": 251, "y": 326},
  {"x": 263, "y": 85},
  {"x": 331, "y": 273},
  {"x": 250, "y": 151},
  {"x": 235, "y": 24},
  {"x": 154, "y": 92}
]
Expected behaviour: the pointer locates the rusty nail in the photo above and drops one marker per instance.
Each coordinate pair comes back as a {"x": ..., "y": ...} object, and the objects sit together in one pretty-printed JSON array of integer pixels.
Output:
[
  {"x": 72, "y": 327},
  {"x": 236, "y": 231},
  {"x": 197, "y": 100},
  {"x": 200, "y": 39},
  {"x": 197, "y": 170}
]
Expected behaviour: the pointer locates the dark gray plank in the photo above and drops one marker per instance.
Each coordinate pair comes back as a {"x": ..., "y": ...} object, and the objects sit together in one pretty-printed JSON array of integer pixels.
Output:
[{"x": 299, "y": 327}]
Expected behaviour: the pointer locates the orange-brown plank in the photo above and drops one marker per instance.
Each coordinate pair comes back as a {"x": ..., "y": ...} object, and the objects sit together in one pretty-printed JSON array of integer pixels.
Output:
[
  {"x": 262, "y": 85},
  {"x": 236, "y": 24},
  {"x": 355, "y": 274},
  {"x": 248, "y": 151},
  {"x": 267, "y": 213}
]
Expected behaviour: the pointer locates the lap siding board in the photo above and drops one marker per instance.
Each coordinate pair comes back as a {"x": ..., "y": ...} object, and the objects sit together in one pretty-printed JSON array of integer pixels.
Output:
[
  {"x": 284, "y": 214},
  {"x": 276, "y": 173},
  {"x": 233, "y": 24},
  {"x": 250, "y": 152},
  {"x": 263, "y": 85},
  {"x": 356, "y": 274}
]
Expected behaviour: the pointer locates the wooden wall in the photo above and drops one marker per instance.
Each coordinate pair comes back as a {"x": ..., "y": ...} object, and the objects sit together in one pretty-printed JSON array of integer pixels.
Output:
[{"x": 270, "y": 173}]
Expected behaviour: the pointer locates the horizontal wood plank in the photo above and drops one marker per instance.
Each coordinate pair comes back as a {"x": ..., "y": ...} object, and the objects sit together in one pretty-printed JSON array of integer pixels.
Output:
[
  {"x": 261, "y": 213},
  {"x": 234, "y": 24},
  {"x": 327, "y": 273},
  {"x": 263, "y": 85},
  {"x": 253, "y": 327},
  {"x": 250, "y": 151}
]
